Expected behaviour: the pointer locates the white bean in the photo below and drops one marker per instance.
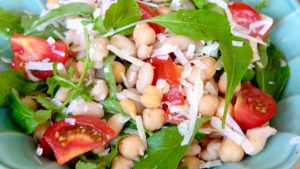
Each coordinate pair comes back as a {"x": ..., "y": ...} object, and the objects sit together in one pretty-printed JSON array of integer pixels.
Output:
[
  {"x": 153, "y": 119},
  {"x": 132, "y": 75},
  {"x": 194, "y": 149},
  {"x": 144, "y": 51},
  {"x": 180, "y": 41},
  {"x": 208, "y": 105},
  {"x": 116, "y": 122},
  {"x": 143, "y": 34},
  {"x": 100, "y": 90},
  {"x": 61, "y": 94},
  {"x": 123, "y": 43},
  {"x": 145, "y": 77},
  {"x": 230, "y": 151},
  {"x": 120, "y": 162},
  {"x": 210, "y": 70},
  {"x": 89, "y": 108},
  {"x": 222, "y": 84},
  {"x": 211, "y": 151},
  {"x": 100, "y": 51},
  {"x": 131, "y": 147}
]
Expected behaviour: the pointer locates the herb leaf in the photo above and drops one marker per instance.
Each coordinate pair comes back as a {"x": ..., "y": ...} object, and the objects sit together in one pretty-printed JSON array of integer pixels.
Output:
[
  {"x": 122, "y": 13},
  {"x": 164, "y": 149},
  {"x": 199, "y": 3},
  {"x": 262, "y": 4},
  {"x": 9, "y": 24},
  {"x": 109, "y": 76},
  {"x": 274, "y": 76},
  {"x": 24, "y": 117},
  {"x": 71, "y": 9},
  {"x": 85, "y": 165},
  {"x": 10, "y": 79},
  {"x": 112, "y": 105}
]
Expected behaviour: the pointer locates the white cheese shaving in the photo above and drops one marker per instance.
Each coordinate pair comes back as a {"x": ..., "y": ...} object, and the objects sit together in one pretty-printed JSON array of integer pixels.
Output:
[
  {"x": 295, "y": 140},
  {"x": 210, "y": 49},
  {"x": 256, "y": 56},
  {"x": 41, "y": 66},
  {"x": 31, "y": 76},
  {"x": 71, "y": 121},
  {"x": 164, "y": 50},
  {"x": 56, "y": 102},
  {"x": 198, "y": 63},
  {"x": 248, "y": 37},
  {"x": 180, "y": 57},
  {"x": 237, "y": 43},
  {"x": 128, "y": 58},
  {"x": 39, "y": 151},
  {"x": 161, "y": 37},
  {"x": 185, "y": 83},
  {"x": 186, "y": 72},
  {"x": 190, "y": 51},
  {"x": 206, "y": 130},
  {"x": 50, "y": 41},
  {"x": 265, "y": 23},
  {"x": 124, "y": 79},
  {"x": 104, "y": 153},
  {"x": 130, "y": 95},
  {"x": 211, "y": 88},
  {"x": 141, "y": 130},
  {"x": 210, "y": 164},
  {"x": 162, "y": 85}
]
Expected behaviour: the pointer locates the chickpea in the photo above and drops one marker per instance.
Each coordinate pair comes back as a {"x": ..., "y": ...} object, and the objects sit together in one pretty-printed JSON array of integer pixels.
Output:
[
  {"x": 40, "y": 130},
  {"x": 163, "y": 10},
  {"x": 100, "y": 90},
  {"x": 258, "y": 138},
  {"x": 61, "y": 94},
  {"x": 118, "y": 68},
  {"x": 131, "y": 147},
  {"x": 132, "y": 75},
  {"x": 211, "y": 151},
  {"x": 182, "y": 42},
  {"x": 120, "y": 162},
  {"x": 153, "y": 119},
  {"x": 222, "y": 84},
  {"x": 190, "y": 162},
  {"x": 208, "y": 105},
  {"x": 51, "y": 4},
  {"x": 129, "y": 107},
  {"x": 151, "y": 97},
  {"x": 221, "y": 108},
  {"x": 144, "y": 51},
  {"x": 89, "y": 108},
  {"x": 99, "y": 45},
  {"x": 210, "y": 70},
  {"x": 145, "y": 77},
  {"x": 116, "y": 122},
  {"x": 143, "y": 34},
  {"x": 230, "y": 151},
  {"x": 194, "y": 149},
  {"x": 138, "y": 105},
  {"x": 30, "y": 103},
  {"x": 123, "y": 43}
]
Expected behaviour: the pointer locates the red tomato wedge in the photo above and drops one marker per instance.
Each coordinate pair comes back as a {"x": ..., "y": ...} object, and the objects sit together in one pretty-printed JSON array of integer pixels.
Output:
[
  {"x": 165, "y": 69},
  {"x": 68, "y": 141},
  {"x": 253, "y": 107},
  {"x": 148, "y": 12},
  {"x": 28, "y": 48},
  {"x": 245, "y": 15}
]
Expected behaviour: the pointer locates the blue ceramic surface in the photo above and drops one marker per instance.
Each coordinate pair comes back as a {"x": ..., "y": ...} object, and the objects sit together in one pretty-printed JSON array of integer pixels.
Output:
[{"x": 17, "y": 151}]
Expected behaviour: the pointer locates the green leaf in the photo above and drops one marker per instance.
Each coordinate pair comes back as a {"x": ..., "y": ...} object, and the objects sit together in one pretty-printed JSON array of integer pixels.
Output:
[
  {"x": 52, "y": 86},
  {"x": 122, "y": 13},
  {"x": 199, "y": 137},
  {"x": 249, "y": 75},
  {"x": 71, "y": 9},
  {"x": 98, "y": 25},
  {"x": 106, "y": 160},
  {"x": 46, "y": 103},
  {"x": 262, "y": 4},
  {"x": 10, "y": 79},
  {"x": 199, "y": 3},
  {"x": 274, "y": 76},
  {"x": 164, "y": 148},
  {"x": 9, "y": 24},
  {"x": 109, "y": 76},
  {"x": 24, "y": 117},
  {"x": 85, "y": 165},
  {"x": 112, "y": 105}
]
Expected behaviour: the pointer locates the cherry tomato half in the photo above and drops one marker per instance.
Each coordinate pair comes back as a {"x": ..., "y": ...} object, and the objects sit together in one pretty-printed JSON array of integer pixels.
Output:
[
  {"x": 245, "y": 15},
  {"x": 67, "y": 141},
  {"x": 28, "y": 48},
  {"x": 165, "y": 69},
  {"x": 148, "y": 12},
  {"x": 253, "y": 107}
]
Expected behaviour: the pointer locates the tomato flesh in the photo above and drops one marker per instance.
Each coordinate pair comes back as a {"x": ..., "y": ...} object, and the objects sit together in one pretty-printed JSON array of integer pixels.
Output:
[
  {"x": 165, "y": 69},
  {"x": 147, "y": 13},
  {"x": 68, "y": 141},
  {"x": 253, "y": 107},
  {"x": 28, "y": 48},
  {"x": 245, "y": 15}
]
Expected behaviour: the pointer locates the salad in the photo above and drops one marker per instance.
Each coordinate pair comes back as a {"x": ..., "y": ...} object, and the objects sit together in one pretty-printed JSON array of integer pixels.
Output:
[{"x": 143, "y": 84}]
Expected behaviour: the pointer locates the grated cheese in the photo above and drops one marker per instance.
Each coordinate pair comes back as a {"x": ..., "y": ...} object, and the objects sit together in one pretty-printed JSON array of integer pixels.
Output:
[
  {"x": 256, "y": 56},
  {"x": 56, "y": 102},
  {"x": 161, "y": 37},
  {"x": 187, "y": 71},
  {"x": 210, "y": 49},
  {"x": 141, "y": 130},
  {"x": 162, "y": 85},
  {"x": 211, "y": 88},
  {"x": 190, "y": 51},
  {"x": 31, "y": 76},
  {"x": 104, "y": 153},
  {"x": 41, "y": 66},
  {"x": 237, "y": 43},
  {"x": 124, "y": 79},
  {"x": 50, "y": 41},
  {"x": 128, "y": 58},
  {"x": 71, "y": 121},
  {"x": 39, "y": 151},
  {"x": 198, "y": 63},
  {"x": 131, "y": 95},
  {"x": 164, "y": 50}
]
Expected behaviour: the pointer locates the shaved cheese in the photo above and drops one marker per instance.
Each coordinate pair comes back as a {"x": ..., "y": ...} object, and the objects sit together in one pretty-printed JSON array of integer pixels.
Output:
[
  {"x": 131, "y": 131},
  {"x": 295, "y": 140},
  {"x": 141, "y": 130},
  {"x": 31, "y": 76},
  {"x": 247, "y": 146},
  {"x": 124, "y": 79},
  {"x": 161, "y": 37},
  {"x": 186, "y": 71},
  {"x": 266, "y": 23},
  {"x": 104, "y": 153},
  {"x": 162, "y": 85},
  {"x": 224, "y": 5},
  {"x": 248, "y": 37},
  {"x": 256, "y": 56},
  {"x": 120, "y": 96},
  {"x": 39, "y": 151},
  {"x": 41, "y": 66},
  {"x": 50, "y": 41},
  {"x": 181, "y": 109},
  {"x": 128, "y": 58},
  {"x": 237, "y": 43},
  {"x": 131, "y": 95},
  {"x": 206, "y": 130},
  {"x": 185, "y": 83},
  {"x": 211, "y": 88},
  {"x": 190, "y": 50},
  {"x": 56, "y": 102},
  {"x": 198, "y": 63},
  {"x": 210, "y": 164},
  {"x": 164, "y": 50},
  {"x": 71, "y": 121},
  {"x": 210, "y": 49}
]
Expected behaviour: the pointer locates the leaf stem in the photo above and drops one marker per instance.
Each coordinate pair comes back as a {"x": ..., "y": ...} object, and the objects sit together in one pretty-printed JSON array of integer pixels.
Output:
[
  {"x": 110, "y": 33},
  {"x": 87, "y": 57}
]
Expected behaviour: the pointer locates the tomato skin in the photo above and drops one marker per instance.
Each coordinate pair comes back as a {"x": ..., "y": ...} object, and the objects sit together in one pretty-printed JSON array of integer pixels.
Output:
[
  {"x": 253, "y": 107},
  {"x": 28, "y": 48},
  {"x": 148, "y": 12},
  {"x": 76, "y": 141},
  {"x": 245, "y": 15}
]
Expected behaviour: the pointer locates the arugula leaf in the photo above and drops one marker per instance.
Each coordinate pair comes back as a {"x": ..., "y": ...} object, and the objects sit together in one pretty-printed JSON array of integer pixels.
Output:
[
  {"x": 71, "y": 9},
  {"x": 46, "y": 103},
  {"x": 112, "y": 105},
  {"x": 199, "y": 3},
  {"x": 164, "y": 149},
  {"x": 109, "y": 76},
  {"x": 249, "y": 75},
  {"x": 10, "y": 79},
  {"x": 106, "y": 160},
  {"x": 85, "y": 165},
  {"x": 122, "y": 13},
  {"x": 27, "y": 22},
  {"x": 262, "y": 4},
  {"x": 24, "y": 117},
  {"x": 98, "y": 25},
  {"x": 9, "y": 24},
  {"x": 274, "y": 76}
]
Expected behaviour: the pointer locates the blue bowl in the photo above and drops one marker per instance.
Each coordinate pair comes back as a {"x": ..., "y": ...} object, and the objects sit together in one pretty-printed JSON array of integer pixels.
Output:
[{"x": 18, "y": 150}]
